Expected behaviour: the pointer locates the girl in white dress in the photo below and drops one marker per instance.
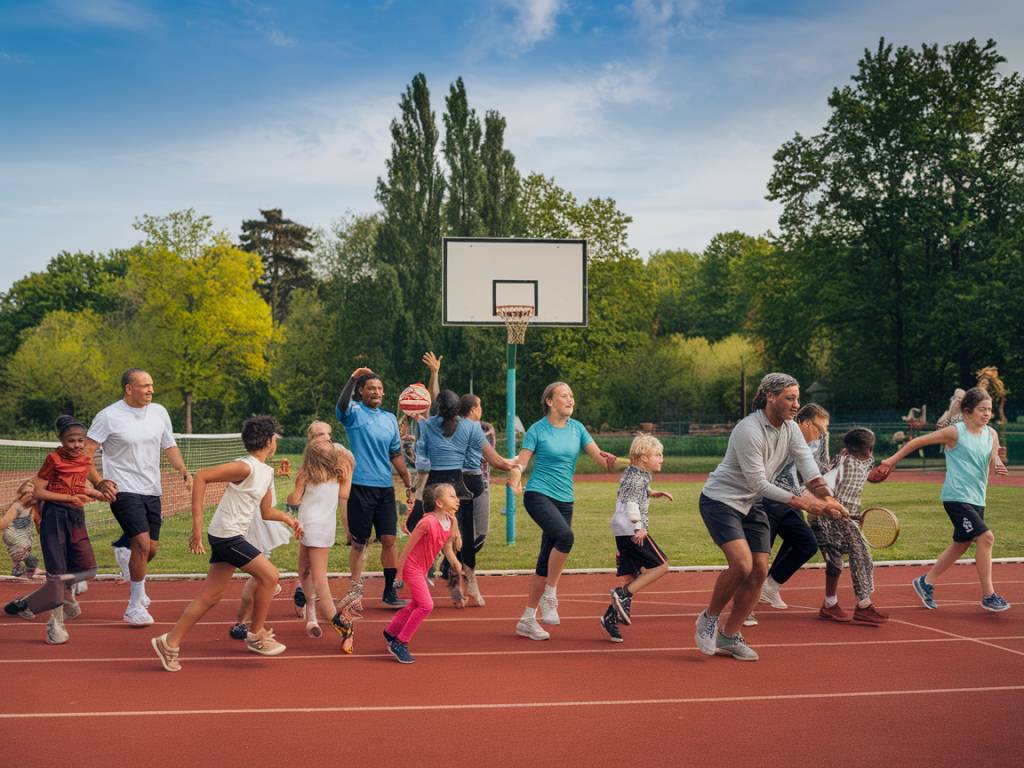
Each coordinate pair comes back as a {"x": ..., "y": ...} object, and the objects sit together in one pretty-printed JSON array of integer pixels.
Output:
[{"x": 323, "y": 482}]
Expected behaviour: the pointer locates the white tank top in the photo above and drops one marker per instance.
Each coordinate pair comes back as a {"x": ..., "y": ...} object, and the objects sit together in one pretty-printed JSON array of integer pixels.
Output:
[
  {"x": 319, "y": 502},
  {"x": 242, "y": 500}
]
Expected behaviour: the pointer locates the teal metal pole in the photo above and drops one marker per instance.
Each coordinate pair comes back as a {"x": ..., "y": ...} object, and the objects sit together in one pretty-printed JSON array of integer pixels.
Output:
[{"x": 510, "y": 437}]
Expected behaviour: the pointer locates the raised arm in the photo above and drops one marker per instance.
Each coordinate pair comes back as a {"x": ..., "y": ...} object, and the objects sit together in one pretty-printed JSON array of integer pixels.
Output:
[
  {"x": 345, "y": 397},
  {"x": 433, "y": 363}
]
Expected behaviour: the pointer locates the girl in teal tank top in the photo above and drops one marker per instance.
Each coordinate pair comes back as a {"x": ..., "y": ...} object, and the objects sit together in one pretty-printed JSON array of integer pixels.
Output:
[{"x": 972, "y": 450}]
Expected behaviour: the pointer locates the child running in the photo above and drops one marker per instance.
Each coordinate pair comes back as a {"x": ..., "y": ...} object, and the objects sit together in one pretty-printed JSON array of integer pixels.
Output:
[
  {"x": 841, "y": 536},
  {"x": 67, "y": 552},
  {"x": 639, "y": 560},
  {"x": 249, "y": 482},
  {"x": 972, "y": 448},
  {"x": 16, "y": 524},
  {"x": 322, "y": 483},
  {"x": 437, "y": 530}
]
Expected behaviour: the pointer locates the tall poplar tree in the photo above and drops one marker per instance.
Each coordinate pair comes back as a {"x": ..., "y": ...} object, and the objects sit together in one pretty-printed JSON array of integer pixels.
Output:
[
  {"x": 461, "y": 149},
  {"x": 501, "y": 210},
  {"x": 409, "y": 240}
]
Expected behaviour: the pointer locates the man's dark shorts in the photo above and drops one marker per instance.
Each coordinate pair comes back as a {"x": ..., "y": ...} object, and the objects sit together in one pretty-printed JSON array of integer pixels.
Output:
[
  {"x": 727, "y": 524},
  {"x": 137, "y": 514}
]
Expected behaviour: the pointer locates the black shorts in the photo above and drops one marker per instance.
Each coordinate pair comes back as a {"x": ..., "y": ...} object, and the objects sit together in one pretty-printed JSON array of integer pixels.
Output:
[
  {"x": 371, "y": 509},
  {"x": 631, "y": 557},
  {"x": 138, "y": 514},
  {"x": 234, "y": 550},
  {"x": 727, "y": 524},
  {"x": 968, "y": 520},
  {"x": 64, "y": 540}
]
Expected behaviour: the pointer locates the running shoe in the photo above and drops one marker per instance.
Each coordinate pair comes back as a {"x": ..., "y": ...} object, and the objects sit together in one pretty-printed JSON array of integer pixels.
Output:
[
  {"x": 750, "y": 621},
  {"x": 264, "y": 643},
  {"x": 549, "y": 610},
  {"x": 869, "y": 615},
  {"x": 400, "y": 651},
  {"x": 707, "y": 629},
  {"x": 926, "y": 592},
  {"x": 392, "y": 600},
  {"x": 623, "y": 602},
  {"x": 238, "y": 631},
  {"x": 137, "y": 616},
  {"x": 771, "y": 596},
  {"x": 733, "y": 645},
  {"x": 55, "y": 632},
  {"x": 531, "y": 629},
  {"x": 299, "y": 599},
  {"x": 834, "y": 613},
  {"x": 610, "y": 624},
  {"x": 168, "y": 656},
  {"x": 19, "y": 607},
  {"x": 994, "y": 603},
  {"x": 345, "y": 631},
  {"x": 72, "y": 609}
]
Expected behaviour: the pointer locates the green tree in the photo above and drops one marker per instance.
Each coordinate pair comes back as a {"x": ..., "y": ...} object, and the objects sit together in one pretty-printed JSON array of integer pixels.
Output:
[
  {"x": 205, "y": 325},
  {"x": 409, "y": 238},
  {"x": 280, "y": 244},
  {"x": 722, "y": 291},
  {"x": 302, "y": 375},
  {"x": 500, "y": 211},
  {"x": 63, "y": 365},
  {"x": 903, "y": 216},
  {"x": 674, "y": 275},
  {"x": 71, "y": 281},
  {"x": 461, "y": 149}
]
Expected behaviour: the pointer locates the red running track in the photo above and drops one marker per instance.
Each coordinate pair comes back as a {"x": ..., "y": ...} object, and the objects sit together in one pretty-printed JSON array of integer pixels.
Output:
[{"x": 931, "y": 688}]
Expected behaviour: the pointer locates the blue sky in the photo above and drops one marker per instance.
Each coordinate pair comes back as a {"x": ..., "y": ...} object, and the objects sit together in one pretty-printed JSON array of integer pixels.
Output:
[{"x": 113, "y": 109}]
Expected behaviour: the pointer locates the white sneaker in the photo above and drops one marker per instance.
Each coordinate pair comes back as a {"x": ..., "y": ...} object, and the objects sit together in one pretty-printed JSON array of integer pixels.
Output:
[
  {"x": 750, "y": 621},
  {"x": 145, "y": 601},
  {"x": 706, "y": 633},
  {"x": 549, "y": 610},
  {"x": 55, "y": 632},
  {"x": 72, "y": 610},
  {"x": 264, "y": 643},
  {"x": 122, "y": 555},
  {"x": 137, "y": 616},
  {"x": 771, "y": 596},
  {"x": 531, "y": 629},
  {"x": 80, "y": 587}
]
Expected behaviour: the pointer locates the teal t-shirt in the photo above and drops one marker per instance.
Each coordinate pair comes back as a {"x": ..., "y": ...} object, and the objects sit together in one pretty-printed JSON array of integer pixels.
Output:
[
  {"x": 554, "y": 456},
  {"x": 967, "y": 467}
]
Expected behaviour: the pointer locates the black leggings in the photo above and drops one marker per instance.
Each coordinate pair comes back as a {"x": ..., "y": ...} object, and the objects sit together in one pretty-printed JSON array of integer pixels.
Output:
[
  {"x": 475, "y": 485},
  {"x": 555, "y": 521},
  {"x": 798, "y": 542}
]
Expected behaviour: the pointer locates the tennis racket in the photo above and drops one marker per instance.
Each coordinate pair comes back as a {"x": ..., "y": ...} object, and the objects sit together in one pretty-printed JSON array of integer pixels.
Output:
[{"x": 880, "y": 527}]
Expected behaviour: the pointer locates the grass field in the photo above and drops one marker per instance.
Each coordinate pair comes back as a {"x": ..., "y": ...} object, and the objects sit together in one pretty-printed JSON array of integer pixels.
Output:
[{"x": 675, "y": 525}]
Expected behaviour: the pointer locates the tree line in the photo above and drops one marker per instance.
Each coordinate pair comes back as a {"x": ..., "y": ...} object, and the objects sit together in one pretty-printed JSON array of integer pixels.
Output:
[{"x": 895, "y": 273}]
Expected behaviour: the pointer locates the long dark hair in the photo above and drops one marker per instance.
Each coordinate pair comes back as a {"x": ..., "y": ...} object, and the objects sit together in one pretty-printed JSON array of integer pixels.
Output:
[
  {"x": 448, "y": 410},
  {"x": 467, "y": 403}
]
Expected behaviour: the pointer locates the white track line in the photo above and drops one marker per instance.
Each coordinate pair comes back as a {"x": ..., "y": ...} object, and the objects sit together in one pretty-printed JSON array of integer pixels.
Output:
[
  {"x": 977, "y": 640},
  {"x": 507, "y": 705},
  {"x": 599, "y": 648}
]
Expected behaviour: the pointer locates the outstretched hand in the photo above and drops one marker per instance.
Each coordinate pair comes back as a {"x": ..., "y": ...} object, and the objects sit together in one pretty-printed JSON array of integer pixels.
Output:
[
  {"x": 609, "y": 460},
  {"x": 661, "y": 495},
  {"x": 432, "y": 361}
]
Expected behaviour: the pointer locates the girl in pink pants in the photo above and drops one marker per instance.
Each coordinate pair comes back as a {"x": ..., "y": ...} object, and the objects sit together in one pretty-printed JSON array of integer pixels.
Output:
[{"x": 436, "y": 530}]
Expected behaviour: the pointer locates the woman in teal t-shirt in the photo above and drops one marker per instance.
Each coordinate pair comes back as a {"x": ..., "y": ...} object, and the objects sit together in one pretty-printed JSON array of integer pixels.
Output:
[
  {"x": 972, "y": 447},
  {"x": 554, "y": 442}
]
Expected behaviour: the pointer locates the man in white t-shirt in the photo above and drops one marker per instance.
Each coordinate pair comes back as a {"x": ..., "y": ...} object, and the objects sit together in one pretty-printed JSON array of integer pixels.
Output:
[{"x": 132, "y": 433}]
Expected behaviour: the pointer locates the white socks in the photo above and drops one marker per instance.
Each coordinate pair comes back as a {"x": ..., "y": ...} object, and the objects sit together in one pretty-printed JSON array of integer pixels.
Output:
[
  {"x": 864, "y": 603},
  {"x": 831, "y": 600},
  {"x": 549, "y": 591},
  {"x": 138, "y": 590},
  {"x": 529, "y": 614}
]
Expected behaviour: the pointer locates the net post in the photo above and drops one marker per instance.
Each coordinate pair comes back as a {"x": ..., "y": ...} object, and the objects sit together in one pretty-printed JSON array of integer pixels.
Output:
[{"x": 510, "y": 439}]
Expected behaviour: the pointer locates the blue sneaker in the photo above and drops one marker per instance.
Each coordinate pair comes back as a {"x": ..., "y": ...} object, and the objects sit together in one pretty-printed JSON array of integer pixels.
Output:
[
  {"x": 400, "y": 651},
  {"x": 926, "y": 592},
  {"x": 994, "y": 603}
]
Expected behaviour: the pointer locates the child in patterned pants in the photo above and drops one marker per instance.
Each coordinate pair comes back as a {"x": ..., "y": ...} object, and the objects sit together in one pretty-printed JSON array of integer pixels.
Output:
[
  {"x": 17, "y": 527},
  {"x": 842, "y": 537}
]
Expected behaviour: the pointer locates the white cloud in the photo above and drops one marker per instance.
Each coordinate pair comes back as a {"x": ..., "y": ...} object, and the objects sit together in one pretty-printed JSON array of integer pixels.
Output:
[
  {"x": 535, "y": 19},
  {"x": 513, "y": 27},
  {"x": 663, "y": 20}
]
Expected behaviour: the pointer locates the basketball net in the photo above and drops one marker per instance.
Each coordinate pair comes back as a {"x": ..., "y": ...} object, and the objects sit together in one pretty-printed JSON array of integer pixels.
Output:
[{"x": 516, "y": 317}]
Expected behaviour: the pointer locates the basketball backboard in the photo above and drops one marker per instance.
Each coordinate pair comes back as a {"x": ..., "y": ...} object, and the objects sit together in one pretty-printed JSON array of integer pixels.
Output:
[{"x": 480, "y": 274}]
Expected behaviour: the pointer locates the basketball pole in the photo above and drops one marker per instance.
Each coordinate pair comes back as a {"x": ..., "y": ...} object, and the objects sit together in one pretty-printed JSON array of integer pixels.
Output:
[{"x": 510, "y": 438}]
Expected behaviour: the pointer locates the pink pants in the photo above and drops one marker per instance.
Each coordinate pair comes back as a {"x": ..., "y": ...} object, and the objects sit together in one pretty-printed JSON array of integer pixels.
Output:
[{"x": 409, "y": 618}]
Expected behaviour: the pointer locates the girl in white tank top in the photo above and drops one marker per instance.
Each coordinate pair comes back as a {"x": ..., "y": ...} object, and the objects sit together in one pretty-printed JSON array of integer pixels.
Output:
[{"x": 321, "y": 484}]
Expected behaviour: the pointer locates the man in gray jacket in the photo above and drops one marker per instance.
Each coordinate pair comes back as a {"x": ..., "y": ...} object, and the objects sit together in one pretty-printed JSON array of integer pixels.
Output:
[{"x": 759, "y": 446}]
